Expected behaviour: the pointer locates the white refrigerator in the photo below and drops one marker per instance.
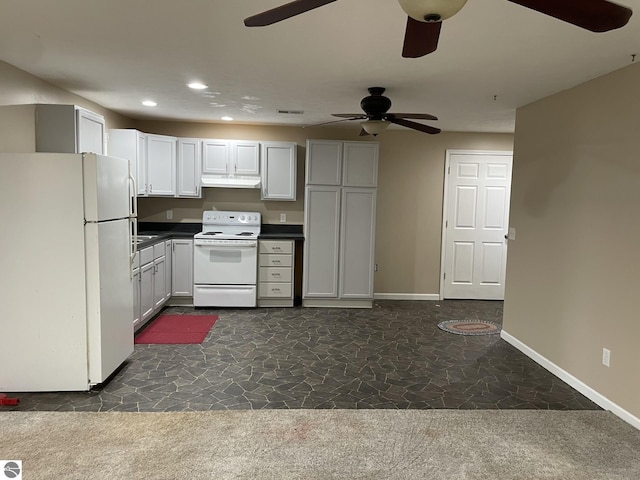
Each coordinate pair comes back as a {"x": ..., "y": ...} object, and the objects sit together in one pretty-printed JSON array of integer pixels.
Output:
[{"x": 66, "y": 301}]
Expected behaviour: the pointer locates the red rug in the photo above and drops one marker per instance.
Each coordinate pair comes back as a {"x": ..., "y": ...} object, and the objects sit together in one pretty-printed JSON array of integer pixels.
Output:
[{"x": 167, "y": 329}]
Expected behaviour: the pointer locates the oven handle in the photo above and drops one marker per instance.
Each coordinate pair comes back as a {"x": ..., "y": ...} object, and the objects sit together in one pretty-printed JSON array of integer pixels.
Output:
[{"x": 226, "y": 245}]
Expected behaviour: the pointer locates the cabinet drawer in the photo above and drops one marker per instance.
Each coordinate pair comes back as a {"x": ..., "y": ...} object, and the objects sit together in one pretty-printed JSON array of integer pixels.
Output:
[
  {"x": 276, "y": 246},
  {"x": 275, "y": 290},
  {"x": 146, "y": 255},
  {"x": 275, "y": 274},
  {"x": 158, "y": 250},
  {"x": 275, "y": 260}
]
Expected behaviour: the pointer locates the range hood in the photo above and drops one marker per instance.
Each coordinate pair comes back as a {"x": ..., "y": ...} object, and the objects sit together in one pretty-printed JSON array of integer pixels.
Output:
[{"x": 223, "y": 181}]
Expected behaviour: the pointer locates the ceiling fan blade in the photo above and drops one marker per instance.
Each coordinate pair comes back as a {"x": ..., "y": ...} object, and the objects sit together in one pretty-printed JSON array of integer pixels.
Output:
[
  {"x": 419, "y": 116},
  {"x": 327, "y": 123},
  {"x": 353, "y": 116},
  {"x": 415, "y": 125},
  {"x": 594, "y": 15},
  {"x": 363, "y": 133},
  {"x": 420, "y": 38},
  {"x": 283, "y": 12}
]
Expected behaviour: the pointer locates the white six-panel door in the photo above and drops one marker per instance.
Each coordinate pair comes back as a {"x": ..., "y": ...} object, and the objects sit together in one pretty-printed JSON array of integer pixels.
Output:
[{"x": 475, "y": 224}]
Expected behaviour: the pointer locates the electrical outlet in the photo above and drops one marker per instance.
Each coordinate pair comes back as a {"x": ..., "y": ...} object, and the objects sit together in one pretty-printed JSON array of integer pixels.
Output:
[
  {"x": 606, "y": 357},
  {"x": 169, "y": 214},
  {"x": 375, "y": 267},
  {"x": 283, "y": 217}
]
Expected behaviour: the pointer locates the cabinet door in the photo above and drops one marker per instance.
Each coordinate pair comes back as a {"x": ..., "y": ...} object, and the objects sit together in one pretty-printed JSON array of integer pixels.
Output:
[
  {"x": 161, "y": 165},
  {"x": 141, "y": 167},
  {"x": 278, "y": 170},
  {"x": 91, "y": 132},
  {"x": 159, "y": 281},
  {"x": 360, "y": 164},
  {"x": 215, "y": 157},
  {"x": 358, "y": 212},
  {"x": 136, "y": 298},
  {"x": 189, "y": 163},
  {"x": 322, "y": 229},
  {"x": 146, "y": 290},
  {"x": 245, "y": 158},
  {"x": 168, "y": 269},
  {"x": 182, "y": 268},
  {"x": 324, "y": 162},
  {"x": 130, "y": 144}
]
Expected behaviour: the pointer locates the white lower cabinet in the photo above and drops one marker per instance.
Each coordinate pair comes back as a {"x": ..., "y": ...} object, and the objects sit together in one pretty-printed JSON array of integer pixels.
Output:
[
  {"x": 159, "y": 275},
  {"x": 136, "y": 294},
  {"x": 275, "y": 273},
  {"x": 146, "y": 292},
  {"x": 168, "y": 270},
  {"x": 182, "y": 268},
  {"x": 150, "y": 283}
]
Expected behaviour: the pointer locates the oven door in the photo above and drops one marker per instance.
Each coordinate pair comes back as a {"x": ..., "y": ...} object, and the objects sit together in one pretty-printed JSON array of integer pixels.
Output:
[{"x": 225, "y": 263}]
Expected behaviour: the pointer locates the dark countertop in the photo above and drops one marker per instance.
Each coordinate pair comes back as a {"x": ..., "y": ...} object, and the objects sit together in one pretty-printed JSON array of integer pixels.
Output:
[
  {"x": 166, "y": 231},
  {"x": 281, "y": 232}
]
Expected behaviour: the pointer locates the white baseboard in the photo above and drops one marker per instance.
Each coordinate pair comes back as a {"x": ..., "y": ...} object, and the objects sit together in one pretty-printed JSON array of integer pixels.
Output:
[
  {"x": 565, "y": 376},
  {"x": 406, "y": 296}
]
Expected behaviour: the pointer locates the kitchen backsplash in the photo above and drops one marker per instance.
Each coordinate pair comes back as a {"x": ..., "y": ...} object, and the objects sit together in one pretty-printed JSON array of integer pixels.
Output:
[{"x": 189, "y": 210}]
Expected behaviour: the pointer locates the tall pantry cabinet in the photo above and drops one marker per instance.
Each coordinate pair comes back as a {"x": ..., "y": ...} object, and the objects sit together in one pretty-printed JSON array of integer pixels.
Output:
[{"x": 339, "y": 222}]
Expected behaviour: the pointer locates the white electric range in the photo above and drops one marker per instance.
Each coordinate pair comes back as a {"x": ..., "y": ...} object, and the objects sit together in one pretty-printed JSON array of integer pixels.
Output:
[{"x": 225, "y": 259}]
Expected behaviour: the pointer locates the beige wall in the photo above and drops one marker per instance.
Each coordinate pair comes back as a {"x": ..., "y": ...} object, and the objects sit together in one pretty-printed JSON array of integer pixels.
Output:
[
  {"x": 573, "y": 273},
  {"x": 410, "y": 189},
  {"x": 19, "y": 91}
]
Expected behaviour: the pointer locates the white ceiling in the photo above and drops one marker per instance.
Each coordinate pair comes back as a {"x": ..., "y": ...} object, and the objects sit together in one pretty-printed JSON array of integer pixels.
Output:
[{"x": 119, "y": 52}]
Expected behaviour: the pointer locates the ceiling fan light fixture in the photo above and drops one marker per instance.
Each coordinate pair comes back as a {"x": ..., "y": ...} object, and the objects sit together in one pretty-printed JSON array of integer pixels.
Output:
[
  {"x": 374, "y": 127},
  {"x": 431, "y": 10}
]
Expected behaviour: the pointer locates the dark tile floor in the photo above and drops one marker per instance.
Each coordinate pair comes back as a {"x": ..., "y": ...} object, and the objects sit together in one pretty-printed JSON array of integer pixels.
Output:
[{"x": 391, "y": 356}]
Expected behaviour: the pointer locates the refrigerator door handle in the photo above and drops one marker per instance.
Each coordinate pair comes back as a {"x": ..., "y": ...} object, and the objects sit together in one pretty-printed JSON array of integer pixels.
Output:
[
  {"x": 133, "y": 195},
  {"x": 134, "y": 243},
  {"x": 133, "y": 219}
]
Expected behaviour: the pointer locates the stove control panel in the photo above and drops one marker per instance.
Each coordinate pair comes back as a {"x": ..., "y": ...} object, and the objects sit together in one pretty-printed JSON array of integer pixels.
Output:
[{"x": 214, "y": 217}]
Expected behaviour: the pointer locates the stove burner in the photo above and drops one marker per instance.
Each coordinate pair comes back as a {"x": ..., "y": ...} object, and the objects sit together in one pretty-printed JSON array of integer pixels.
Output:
[
  {"x": 245, "y": 234},
  {"x": 212, "y": 233}
]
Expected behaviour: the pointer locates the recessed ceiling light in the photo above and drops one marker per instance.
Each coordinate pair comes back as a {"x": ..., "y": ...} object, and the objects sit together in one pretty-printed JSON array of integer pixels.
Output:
[
  {"x": 149, "y": 103},
  {"x": 226, "y": 118},
  {"x": 197, "y": 85}
]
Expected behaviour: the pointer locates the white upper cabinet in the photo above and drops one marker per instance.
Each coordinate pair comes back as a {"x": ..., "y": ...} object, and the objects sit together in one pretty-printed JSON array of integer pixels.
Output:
[
  {"x": 360, "y": 164},
  {"x": 132, "y": 145},
  {"x": 245, "y": 158},
  {"x": 326, "y": 167},
  {"x": 230, "y": 157},
  {"x": 278, "y": 170},
  {"x": 161, "y": 165},
  {"x": 189, "y": 166},
  {"x": 69, "y": 129},
  {"x": 215, "y": 157}
]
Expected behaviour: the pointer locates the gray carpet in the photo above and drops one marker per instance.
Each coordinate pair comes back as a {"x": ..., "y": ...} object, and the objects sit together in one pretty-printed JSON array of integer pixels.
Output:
[{"x": 322, "y": 444}]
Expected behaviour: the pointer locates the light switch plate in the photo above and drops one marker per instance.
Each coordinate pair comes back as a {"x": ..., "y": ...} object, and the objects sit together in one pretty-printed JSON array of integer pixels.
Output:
[
  {"x": 512, "y": 233},
  {"x": 283, "y": 217}
]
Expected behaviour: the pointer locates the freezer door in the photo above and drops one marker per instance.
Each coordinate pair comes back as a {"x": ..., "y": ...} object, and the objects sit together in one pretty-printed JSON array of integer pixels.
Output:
[
  {"x": 106, "y": 188},
  {"x": 109, "y": 297}
]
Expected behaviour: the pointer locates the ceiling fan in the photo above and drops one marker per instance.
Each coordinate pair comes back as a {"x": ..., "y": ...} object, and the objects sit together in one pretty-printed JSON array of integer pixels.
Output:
[
  {"x": 425, "y": 17},
  {"x": 376, "y": 119}
]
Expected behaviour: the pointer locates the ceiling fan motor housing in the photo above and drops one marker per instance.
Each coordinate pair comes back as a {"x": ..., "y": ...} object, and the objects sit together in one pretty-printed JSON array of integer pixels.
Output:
[
  {"x": 376, "y": 104},
  {"x": 431, "y": 10}
]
